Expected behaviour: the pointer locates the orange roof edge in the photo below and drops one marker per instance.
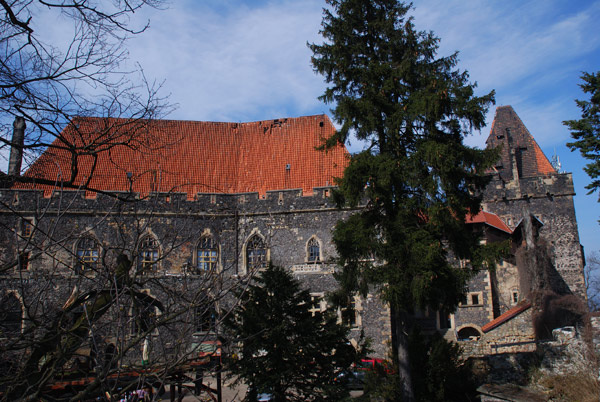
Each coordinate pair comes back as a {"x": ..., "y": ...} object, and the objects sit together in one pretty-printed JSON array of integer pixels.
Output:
[
  {"x": 513, "y": 312},
  {"x": 490, "y": 219}
]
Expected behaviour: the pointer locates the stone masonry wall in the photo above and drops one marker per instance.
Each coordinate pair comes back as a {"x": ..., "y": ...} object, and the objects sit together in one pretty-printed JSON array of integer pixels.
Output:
[
  {"x": 284, "y": 220},
  {"x": 513, "y": 336},
  {"x": 550, "y": 199}
]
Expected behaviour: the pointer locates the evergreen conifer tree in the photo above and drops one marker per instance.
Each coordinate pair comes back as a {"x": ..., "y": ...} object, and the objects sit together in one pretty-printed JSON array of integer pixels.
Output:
[
  {"x": 285, "y": 349},
  {"x": 416, "y": 180},
  {"x": 586, "y": 131}
]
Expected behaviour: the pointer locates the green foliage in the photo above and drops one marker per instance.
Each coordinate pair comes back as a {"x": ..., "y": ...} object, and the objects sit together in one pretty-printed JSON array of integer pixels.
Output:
[
  {"x": 439, "y": 374},
  {"x": 283, "y": 348},
  {"x": 586, "y": 131},
  {"x": 417, "y": 178},
  {"x": 381, "y": 386}
]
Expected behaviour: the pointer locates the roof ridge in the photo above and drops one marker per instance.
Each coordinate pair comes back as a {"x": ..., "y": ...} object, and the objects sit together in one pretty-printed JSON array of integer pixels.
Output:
[{"x": 199, "y": 121}]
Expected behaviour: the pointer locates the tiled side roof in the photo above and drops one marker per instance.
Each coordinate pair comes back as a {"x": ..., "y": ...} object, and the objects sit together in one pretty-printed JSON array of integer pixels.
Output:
[
  {"x": 488, "y": 218},
  {"x": 192, "y": 157},
  {"x": 509, "y": 132},
  {"x": 513, "y": 312}
]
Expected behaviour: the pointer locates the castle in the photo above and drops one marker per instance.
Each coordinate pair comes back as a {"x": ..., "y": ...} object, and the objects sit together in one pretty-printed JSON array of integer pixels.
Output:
[{"x": 200, "y": 205}]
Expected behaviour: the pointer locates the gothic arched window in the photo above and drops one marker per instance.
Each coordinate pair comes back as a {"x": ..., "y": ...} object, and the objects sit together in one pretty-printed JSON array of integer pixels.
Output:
[
  {"x": 207, "y": 254},
  {"x": 88, "y": 254},
  {"x": 256, "y": 253},
  {"x": 148, "y": 254},
  {"x": 313, "y": 251}
]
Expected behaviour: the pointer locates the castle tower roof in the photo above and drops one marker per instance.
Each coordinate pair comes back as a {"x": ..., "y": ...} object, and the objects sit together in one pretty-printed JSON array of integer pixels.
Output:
[
  {"x": 192, "y": 156},
  {"x": 520, "y": 154}
]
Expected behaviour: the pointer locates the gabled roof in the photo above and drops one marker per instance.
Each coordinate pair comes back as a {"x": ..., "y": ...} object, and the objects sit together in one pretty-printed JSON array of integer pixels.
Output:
[
  {"x": 513, "y": 312},
  {"x": 193, "y": 156},
  {"x": 490, "y": 219},
  {"x": 509, "y": 132}
]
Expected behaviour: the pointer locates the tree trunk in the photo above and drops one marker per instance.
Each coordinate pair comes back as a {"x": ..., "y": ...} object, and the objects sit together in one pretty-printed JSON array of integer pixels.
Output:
[{"x": 400, "y": 326}]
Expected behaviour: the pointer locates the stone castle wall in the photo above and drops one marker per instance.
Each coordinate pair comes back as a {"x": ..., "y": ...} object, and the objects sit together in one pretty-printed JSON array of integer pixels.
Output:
[
  {"x": 549, "y": 199},
  {"x": 285, "y": 220}
]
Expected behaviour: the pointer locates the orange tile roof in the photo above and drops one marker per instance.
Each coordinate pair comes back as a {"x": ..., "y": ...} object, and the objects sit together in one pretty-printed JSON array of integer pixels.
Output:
[
  {"x": 488, "y": 218},
  {"x": 513, "y": 312},
  {"x": 193, "y": 157}
]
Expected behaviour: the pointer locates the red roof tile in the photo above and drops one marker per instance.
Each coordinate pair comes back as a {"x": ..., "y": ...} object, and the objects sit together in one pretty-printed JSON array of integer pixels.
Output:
[
  {"x": 513, "y": 312},
  {"x": 488, "y": 218},
  {"x": 192, "y": 157}
]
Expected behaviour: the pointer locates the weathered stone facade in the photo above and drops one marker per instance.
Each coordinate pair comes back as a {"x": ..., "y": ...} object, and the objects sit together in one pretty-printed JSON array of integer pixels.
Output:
[
  {"x": 285, "y": 220},
  {"x": 291, "y": 225}
]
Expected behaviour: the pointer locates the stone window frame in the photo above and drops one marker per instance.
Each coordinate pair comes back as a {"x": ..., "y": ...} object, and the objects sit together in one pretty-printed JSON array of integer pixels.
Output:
[
  {"x": 144, "y": 264},
  {"x": 469, "y": 299},
  {"x": 255, "y": 234},
  {"x": 322, "y": 303},
  {"x": 17, "y": 295},
  {"x": 515, "y": 296},
  {"x": 356, "y": 323},
  {"x": 26, "y": 227},
  {"x": 441, "y": 315},
  {"x": 207, "y": 259},
  {"x": 24, "y": 260},
  {"x": 86, "y": 263},
  {"x": 200, "y": 320},
  {"x": 132, "y": 314},
  {"x": 309, "y": 259}
]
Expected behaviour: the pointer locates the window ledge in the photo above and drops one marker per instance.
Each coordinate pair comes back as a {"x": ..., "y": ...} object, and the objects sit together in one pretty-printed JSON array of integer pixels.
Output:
[{"x": 470, "y": 305}]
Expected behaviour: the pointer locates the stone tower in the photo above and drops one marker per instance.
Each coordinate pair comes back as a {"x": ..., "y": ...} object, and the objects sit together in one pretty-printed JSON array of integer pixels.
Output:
[{"x": 525, "y": 183}]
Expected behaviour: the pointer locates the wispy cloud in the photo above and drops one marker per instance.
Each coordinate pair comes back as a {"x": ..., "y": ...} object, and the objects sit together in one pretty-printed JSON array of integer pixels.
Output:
[
  {"x": 232, "y": 60},
  {"x": 239, "y": 65},
  {"x": 530, "y": 53}
]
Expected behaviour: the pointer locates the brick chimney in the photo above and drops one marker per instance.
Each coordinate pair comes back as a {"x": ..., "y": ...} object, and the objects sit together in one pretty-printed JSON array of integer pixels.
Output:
[{"x": 16, "y": 150}]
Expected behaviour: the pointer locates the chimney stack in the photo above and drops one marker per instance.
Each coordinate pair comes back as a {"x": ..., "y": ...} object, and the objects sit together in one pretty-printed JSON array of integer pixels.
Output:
[{"x": 16, "y": 149}]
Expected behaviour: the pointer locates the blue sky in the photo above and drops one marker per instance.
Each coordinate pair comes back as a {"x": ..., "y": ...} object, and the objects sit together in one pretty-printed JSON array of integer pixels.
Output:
[{"x": 232, "y": 60}]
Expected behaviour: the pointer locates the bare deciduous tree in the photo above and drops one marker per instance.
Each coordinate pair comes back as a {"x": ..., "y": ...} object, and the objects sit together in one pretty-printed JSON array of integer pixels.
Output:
[
  {"x": 49, "y": 81},
  {"x": 89, "y": 293},
  {"x": 592, "y": 280},
  {"x": 113, "y": 302}
]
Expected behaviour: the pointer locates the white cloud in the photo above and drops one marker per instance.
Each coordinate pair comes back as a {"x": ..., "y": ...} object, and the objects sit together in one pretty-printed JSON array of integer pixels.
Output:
[
  {"x": 248, "y": 63},
  {"x": 231, "y": 60}
]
